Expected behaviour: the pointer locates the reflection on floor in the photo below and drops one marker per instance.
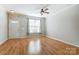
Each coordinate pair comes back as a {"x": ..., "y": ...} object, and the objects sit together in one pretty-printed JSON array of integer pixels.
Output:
[{"x": 40, "y": 45}]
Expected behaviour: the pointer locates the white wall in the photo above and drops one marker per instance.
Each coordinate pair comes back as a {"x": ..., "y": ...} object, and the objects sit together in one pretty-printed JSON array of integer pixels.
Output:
[
  {"x": 3, "y": 25},
  {"x": 63, "y": 23}
]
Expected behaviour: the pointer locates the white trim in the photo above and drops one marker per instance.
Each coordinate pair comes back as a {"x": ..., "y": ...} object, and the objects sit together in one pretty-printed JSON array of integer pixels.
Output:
[
  {"x": 1, "y": 42},
  {"x": 51, "y": 37}
]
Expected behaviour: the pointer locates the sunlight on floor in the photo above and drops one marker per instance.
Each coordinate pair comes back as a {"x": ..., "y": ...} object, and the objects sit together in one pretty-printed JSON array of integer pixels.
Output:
[{"x": 34, "y": 47}]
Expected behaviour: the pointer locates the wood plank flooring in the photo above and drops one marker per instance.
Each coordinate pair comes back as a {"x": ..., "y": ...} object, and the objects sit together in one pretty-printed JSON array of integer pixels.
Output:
[{"x": 37, "y": 46}]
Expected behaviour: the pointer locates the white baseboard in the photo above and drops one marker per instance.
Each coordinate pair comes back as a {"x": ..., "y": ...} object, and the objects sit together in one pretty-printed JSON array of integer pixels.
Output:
[
  {"x": 1, "y": 42},
  {"x": 62, "y": 41}
]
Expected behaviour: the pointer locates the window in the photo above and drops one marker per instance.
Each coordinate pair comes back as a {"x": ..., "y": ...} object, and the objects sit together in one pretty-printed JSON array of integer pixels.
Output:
[{"x": 34, "y": 26}]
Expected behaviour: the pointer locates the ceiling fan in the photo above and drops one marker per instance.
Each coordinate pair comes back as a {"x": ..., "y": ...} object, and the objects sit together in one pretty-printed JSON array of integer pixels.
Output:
[{"x": 44, "y": 11}]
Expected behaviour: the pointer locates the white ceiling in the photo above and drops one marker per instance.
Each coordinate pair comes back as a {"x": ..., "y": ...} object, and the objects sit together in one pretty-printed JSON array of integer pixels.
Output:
[{"x": 28, "y": 9}]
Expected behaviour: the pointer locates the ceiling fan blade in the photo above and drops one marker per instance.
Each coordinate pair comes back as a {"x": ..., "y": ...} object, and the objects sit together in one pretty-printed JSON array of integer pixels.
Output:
[
  {"x": 46, "y": 9},
  {"x": 46, "y": 12}
]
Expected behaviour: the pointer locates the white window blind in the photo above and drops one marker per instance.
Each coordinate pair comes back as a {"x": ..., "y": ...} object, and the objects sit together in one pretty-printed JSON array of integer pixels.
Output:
[{"x": 34, "y": 26}]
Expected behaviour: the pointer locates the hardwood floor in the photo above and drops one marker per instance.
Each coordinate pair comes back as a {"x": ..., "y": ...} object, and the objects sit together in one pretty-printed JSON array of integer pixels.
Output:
[{"x": 37, "y": 46}]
